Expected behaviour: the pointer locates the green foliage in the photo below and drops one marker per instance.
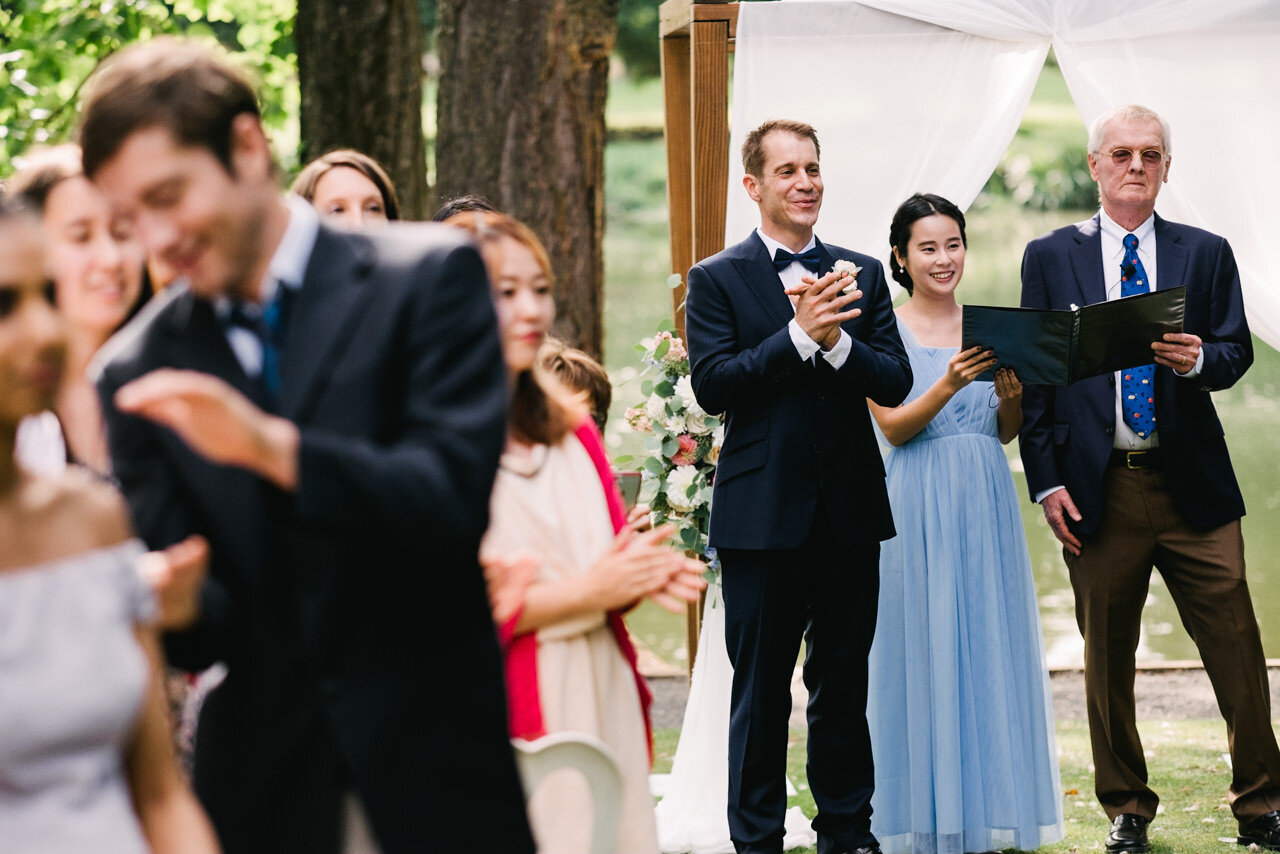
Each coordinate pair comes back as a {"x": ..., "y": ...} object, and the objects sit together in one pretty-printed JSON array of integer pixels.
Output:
[
  {"x": 51, "y": 46},
  {"x": 637, "y": 45}
]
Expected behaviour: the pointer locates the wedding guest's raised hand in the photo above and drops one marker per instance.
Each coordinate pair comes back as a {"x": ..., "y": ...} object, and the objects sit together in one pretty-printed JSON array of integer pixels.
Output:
[
  {"x": 1008, "y": 387},
  {"x": 216, "y": 421},
  {"x": 965, "y": 366},
  {"x": 175, "y": 575},
  {"x": 821, "y": 306}
]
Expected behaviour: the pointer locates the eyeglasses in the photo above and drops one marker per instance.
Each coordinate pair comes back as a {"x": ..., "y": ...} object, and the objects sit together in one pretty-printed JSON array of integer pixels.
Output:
[{"x": 1151, "y": 157}]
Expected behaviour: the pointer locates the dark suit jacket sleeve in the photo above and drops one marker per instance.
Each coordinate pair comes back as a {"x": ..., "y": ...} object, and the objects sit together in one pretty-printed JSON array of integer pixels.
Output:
[
  {"x": 1228, "y": 347},
  {"x": 1035, "y": 439},
  {"x": 439, "y": 466},
  {"x": 161, "y": 516},
  {"x": 877, "y": 366},
  {"x": 723, "y": 373}
]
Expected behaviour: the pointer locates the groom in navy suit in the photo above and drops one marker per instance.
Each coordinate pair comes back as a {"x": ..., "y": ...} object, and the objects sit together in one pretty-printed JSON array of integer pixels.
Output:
[
  {"x": 789, "y": 349},
  {"x": 1132, "y": 472}
]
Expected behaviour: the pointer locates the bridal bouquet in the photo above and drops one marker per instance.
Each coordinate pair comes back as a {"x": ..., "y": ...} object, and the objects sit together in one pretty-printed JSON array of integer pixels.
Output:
[{"x": 683, "y": 442}]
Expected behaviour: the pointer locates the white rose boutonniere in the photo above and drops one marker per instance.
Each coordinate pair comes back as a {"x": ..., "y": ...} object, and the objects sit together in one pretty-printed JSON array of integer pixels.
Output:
[{"x": 850, "y": 269}]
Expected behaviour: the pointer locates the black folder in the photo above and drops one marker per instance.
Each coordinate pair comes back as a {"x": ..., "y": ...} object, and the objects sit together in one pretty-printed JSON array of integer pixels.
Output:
[{"x": 1055, "y": 347}]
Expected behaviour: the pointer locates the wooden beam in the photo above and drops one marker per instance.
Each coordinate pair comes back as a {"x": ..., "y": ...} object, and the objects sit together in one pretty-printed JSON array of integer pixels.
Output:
[
  {"x": 710, "y": 63},
  {"x": 678, "y": 130},
  {"x": 675, "y": 16}
]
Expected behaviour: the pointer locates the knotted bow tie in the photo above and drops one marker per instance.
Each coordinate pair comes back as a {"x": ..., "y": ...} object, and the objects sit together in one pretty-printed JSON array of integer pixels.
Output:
[{"x": 810, "y": 259}]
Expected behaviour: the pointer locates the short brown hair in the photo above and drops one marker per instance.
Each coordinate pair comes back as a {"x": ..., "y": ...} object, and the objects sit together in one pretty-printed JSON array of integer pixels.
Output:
[
  {"x": 305, "y": 184},
  {"x": 181, "y": 85},
  {"x": 578, "y": 372},
  {"x": 542, "y": 411},
  {"x": 753, "y": 145}
]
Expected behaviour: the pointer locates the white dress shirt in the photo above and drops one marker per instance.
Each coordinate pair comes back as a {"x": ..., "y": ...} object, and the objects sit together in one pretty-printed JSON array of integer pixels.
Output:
[
  {"x": 288, "y": 266},
  {"x": 790, "y": 277}
]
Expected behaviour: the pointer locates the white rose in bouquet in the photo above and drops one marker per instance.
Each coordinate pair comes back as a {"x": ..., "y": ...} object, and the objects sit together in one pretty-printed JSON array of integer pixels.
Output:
[
  {"x": 656, "y": 408},
  {"x": 678, "y": 483},
  {"x": 684, "y": 391}
]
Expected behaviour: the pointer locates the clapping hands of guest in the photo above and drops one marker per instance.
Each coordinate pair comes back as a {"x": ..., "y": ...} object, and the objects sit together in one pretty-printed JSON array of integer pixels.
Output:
[{"x": 175, "y": 575}]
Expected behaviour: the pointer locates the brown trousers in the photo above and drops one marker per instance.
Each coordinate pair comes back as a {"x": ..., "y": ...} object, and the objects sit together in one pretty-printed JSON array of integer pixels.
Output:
[{"x": 1204, "y": 571}]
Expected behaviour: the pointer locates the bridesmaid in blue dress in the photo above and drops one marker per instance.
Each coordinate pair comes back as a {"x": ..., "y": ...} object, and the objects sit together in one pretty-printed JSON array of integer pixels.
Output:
[{"x": 960, "y": 710}]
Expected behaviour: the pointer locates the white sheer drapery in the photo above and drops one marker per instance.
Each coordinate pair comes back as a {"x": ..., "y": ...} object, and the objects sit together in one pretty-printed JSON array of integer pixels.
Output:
[{"x": 925, "y": 95}]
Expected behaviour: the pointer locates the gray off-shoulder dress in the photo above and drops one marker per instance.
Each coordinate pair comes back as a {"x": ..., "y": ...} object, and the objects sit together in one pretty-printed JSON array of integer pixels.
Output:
[{"x": 72, "y": 681}]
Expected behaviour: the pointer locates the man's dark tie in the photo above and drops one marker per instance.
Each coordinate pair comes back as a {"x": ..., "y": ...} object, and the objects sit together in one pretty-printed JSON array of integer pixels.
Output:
[
  {"x": 269, "y": 325},
  {"x": 810, "y": 259}
]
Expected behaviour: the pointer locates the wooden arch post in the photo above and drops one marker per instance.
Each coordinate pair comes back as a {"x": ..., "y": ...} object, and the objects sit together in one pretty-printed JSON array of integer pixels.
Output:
[{"x": 697, "y": 38}]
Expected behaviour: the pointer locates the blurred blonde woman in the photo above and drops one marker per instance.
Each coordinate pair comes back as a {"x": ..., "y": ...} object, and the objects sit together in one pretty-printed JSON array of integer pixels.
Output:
[{"x": 96, "y": 265}]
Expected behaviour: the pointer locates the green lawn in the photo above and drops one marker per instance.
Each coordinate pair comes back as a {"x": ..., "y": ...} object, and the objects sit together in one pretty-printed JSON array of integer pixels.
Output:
[{"x": 1187, "y": 767}]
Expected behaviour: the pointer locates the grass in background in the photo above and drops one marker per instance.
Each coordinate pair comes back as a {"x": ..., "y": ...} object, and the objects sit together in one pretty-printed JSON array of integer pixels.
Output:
[{"x": 1186, "y": 763}]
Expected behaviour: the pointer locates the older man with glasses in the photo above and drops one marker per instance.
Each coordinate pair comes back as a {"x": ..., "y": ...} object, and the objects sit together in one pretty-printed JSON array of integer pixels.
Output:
[{"x": 1133, "y": 473}]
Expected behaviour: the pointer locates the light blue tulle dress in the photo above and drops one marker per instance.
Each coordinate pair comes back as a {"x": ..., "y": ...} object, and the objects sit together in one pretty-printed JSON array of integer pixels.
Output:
[{"x": 959, "y": 704}]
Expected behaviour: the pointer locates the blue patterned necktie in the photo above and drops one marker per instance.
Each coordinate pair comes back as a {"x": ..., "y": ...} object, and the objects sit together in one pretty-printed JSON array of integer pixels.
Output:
[
  {"x": 1137, "y": 385},
  {"x": 810, "y": 259}
]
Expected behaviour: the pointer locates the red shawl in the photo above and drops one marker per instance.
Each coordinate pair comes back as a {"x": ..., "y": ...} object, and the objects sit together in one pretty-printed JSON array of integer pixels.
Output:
[{"x": 524, "y": 710}]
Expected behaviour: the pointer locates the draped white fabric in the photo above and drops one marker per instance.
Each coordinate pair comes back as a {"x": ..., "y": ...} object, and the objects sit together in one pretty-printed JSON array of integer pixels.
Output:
[{"x": 925, "y": 95}]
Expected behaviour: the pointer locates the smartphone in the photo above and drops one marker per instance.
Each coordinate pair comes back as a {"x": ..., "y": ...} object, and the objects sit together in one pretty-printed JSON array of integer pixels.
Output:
[{"x": 629, "y": 483}]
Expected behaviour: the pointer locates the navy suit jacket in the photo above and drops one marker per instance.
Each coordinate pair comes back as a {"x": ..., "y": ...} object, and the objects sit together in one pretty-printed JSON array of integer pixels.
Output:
[
  {"x": 349, "y": 610},
  {"x": 796, "y": 433},
  {"x": 1068, "y": 431}
]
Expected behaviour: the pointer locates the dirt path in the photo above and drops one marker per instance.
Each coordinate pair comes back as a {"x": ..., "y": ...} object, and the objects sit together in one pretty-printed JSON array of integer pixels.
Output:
[{"x": 1162, "y": 695}]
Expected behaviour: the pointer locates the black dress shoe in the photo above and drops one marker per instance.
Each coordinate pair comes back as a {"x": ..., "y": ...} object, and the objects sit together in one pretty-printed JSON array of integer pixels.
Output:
[
  {"x": 1128, "y": 835},
  {"x": 867, "y": 849},
  {"x": 1263, "y": 831}
]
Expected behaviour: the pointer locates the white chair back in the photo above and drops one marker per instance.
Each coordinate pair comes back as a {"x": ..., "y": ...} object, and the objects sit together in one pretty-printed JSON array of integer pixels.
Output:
[{"x": 593, "y": 758}]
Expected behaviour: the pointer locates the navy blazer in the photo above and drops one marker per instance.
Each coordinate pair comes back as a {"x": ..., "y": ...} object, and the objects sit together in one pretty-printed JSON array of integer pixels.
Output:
[
  {"x": 796, "y": 432},
  {"x": 348, "y": 610},
  {"x": 1068, "y": 431}
]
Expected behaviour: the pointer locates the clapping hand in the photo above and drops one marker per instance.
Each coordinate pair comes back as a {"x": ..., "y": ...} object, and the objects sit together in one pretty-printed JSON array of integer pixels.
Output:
[
  {"x": 175, "y": 575},
  {"x": 640, "y": 565},
  {"x": 820, "y": 305},
  {"x": 507, "y": 578}
]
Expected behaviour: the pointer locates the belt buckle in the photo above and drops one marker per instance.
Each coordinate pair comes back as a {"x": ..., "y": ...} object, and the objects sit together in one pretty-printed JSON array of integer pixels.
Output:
[{"x": 1133, "y": 460}]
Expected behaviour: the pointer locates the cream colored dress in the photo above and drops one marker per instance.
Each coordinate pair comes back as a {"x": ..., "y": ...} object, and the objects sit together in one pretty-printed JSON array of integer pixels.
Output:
[{"x": 550, "y": 502}]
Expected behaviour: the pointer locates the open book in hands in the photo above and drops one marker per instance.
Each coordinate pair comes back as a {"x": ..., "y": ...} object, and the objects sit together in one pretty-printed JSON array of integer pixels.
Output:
[{"x": 1057, "y": 347}]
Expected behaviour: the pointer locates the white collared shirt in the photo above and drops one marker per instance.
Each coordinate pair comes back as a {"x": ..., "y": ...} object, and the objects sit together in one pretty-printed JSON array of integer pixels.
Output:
[
  {"x": 789, "y": 277},
  {"x": 288, "y": 266}
]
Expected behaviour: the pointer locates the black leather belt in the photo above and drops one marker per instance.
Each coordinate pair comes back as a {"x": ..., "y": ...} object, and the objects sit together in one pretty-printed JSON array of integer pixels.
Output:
[{"x": 1133, "y": 460}]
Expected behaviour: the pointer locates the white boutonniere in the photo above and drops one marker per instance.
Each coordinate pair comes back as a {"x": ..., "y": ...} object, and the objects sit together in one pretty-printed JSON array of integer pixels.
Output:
[{"x": 850, "y": 269}]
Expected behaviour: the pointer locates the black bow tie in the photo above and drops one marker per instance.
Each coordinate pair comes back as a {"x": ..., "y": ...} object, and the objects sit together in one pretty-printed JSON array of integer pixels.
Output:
[{"x": 810, "y": 259}]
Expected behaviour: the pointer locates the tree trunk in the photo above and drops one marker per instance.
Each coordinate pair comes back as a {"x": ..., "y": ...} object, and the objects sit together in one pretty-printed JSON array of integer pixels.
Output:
[
  {"x": 520, "y": 118},
  {"x": 360, "y": 70}
]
